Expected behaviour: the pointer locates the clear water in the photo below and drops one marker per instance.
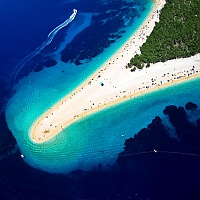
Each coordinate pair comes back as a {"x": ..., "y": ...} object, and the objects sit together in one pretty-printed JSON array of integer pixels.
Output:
[{"x": 92, "y": 139}]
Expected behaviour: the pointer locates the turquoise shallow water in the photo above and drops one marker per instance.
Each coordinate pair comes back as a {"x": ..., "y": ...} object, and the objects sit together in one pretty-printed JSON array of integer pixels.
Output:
[{"x": 97, "y": 138}]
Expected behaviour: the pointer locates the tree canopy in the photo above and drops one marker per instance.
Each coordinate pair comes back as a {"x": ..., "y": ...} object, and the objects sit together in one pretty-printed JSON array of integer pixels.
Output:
[{"x": 176, "y": 35}]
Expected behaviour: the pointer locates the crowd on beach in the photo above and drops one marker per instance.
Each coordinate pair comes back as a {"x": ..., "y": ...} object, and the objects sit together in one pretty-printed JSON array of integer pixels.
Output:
[
  {"x": 106, "y": 88},
  {"x": 113, "y": 83}
]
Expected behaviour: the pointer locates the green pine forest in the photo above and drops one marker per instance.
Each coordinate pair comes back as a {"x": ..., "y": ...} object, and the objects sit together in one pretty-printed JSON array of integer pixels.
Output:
[{"x": 177, "y": 35}]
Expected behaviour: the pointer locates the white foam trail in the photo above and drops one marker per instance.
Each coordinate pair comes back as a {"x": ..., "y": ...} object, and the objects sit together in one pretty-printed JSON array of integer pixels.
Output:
[
  {"x": 65, "y": 23},
  {"x": 49, "y": 39}
]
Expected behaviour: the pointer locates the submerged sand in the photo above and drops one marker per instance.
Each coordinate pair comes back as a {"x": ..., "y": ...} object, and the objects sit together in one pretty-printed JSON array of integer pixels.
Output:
[{"x": 113, "y": 83}]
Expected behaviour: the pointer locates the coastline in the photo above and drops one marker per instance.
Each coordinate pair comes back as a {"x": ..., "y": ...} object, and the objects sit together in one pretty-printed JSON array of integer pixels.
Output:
[{"x": 115, "y": 89}]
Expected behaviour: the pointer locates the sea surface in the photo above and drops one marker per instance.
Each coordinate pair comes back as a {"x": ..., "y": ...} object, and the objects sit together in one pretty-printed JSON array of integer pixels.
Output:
[
  {"x": 39, "y": 66},
  {"x": 59, "y": 62}
]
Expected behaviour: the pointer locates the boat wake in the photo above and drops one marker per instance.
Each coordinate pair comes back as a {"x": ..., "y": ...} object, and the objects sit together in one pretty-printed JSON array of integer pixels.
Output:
[
  {"x": 55, "y": 30},
  {"x": 49, "y": 39}
]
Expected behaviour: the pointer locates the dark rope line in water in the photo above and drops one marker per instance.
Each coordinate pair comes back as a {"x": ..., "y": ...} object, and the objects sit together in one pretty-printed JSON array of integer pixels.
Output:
[
  {"x": 107, "y": 153},
  {"x": 163, "y": 152}
]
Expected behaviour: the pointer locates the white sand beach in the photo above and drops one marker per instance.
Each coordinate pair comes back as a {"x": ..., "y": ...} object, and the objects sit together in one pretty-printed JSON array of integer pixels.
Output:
[{"x": 113, "y": 83}]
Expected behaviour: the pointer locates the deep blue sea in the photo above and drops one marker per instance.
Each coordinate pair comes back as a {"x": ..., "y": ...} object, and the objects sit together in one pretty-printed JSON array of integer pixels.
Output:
[{"x": 41, "y": 64}]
